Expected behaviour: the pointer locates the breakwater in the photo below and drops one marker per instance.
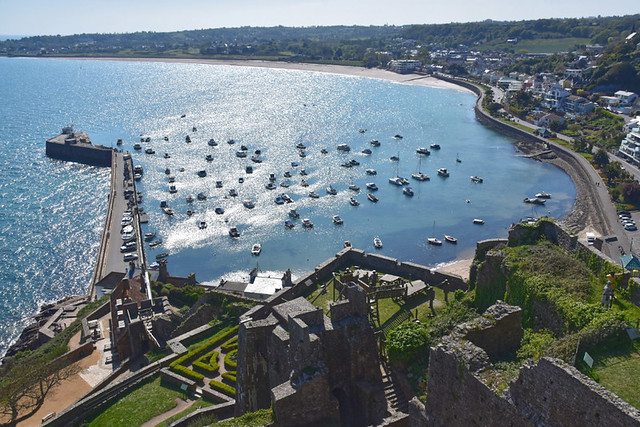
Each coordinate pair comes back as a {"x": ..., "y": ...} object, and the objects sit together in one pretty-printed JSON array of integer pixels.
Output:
[{"x": 77, "y": 147}]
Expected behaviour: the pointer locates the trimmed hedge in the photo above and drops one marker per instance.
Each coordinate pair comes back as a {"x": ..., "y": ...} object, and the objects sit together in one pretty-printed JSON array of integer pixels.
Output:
[
  {"x": 229, "y": 363},
  {"x": 232, "y": 344},
  {"x": 184, "y": 371},
  {"x": 230, "y": 376},
  {"x": 223, "y": 388},
  {"x": 208, "y": 362},
  {"x": 178, "y": 367}
]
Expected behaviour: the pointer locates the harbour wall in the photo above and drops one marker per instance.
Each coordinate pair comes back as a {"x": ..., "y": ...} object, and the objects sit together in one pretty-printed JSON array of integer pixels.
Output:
[{"x": 88, "y": 154}]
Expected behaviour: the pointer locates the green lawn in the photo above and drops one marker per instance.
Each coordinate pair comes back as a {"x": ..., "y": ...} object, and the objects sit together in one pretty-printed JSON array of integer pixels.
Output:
[
  {"x": 617, "y": 367},
  {"x": 138, "y": 406}
]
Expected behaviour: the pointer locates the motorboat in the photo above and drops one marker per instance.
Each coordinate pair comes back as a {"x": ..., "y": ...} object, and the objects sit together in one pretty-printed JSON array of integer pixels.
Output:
[
  {"x": 478, "y": 221},
  {"x": 202, "y": 225},
  {"x": 443, "y": 172},
  {"x": 374, "y": 142},
  {"x": 248, "y": 169},
  {"x": 234, "y": 232},
  {"x": 173, "y": 189},
  {"x": 138, "y": 169},
  {"x": 371, "y": 172},
  {"x": 187, "y": 139},
  {"x": 535, "y": 200},
  {"x": 233, "y": 192},
  {"x": 294, "y": 213},
  {"x": 126, "y": 220},
  {"x": 303, "y": 172},
  {"x": 306, "y": 223},
  {"x": 256, "y": 249},
  {"x": 202, "y": 173},
  {"x": 354, "y": 187},
  {"x": 372, "y": 197},
  {"x": 372, "y": 186},
  {"x": 304, "y": 183},
  {"x": 166, "y": 138},
  {"x": 163, "y": 255},
  {"x": 366, "y": 151},
  {"x": 450, "y": 239},
  {"x": 362, "y": 130},
  {"x": 248, "y": 204},
  {"x": 419, "y": 176},
  {"x": 287, "y": 198},
  {"x": 155, "y": 243},
  {"x": 343, "y": 147},
  {"x": 434, "y": 146},
  {"x": 241, "y": 154},
  {"x": 189, "y": 198},
  {"x": 289, "y": 224},
  {"x": 353, "y": 201},
  {"x": 347, "y": 244},
  {"x": 295, "y": 164},
  {"x": 202, "y": 196},
  {"x": 272, "y": 177},
  {"x": 377, "y": 243},
  {"x": 284, "y": 184},
  {"x": 476, "y": 179},
  {"x": 137, "y": 146},
  {"x": 171, "y": 179},
  {"x": 212, "y": 142},
  {"x": 190, "y": 212},
  {"x": 270, "y": 186},
  {"x": 167, "y": 156},
  {"x": 219, "y": 211},
  {"x": 168, "y": 210},
  {"x": 287, "y": 174},
  {"x": 337, "y": 220},
  {"x": 434, "y": 241},
  {"x": 397, "y": 136},
  {"x": 244, "y": 148},
  {"x": 408, "y": 191},
  {"x": 150, "y": 151},
  {"x": 394, "y": 158},
  {"x": 346, "y": 165},
  {"x": 279, "y": 200},
  {"x": 240, "y": 180},
  {"x": 208, "y": 158},
  {"x": 231, "y": 141},
  {"x": 149, "y": 236},
  {"x": 424, "y": 151},
  {"x": 313, "y": 195},
  {"x": 331, "y": 190},
  {"x": 131, "y": 246},
  {"x": 130, "y": 257},
  {"x": 257, "y": 152},
  {"x": 302, "y": 153},
  {"x": 119, "y": 141},
  {"x": 300, "y": 146},
  {"x": 218, "y": 184},
  {"x": 543, "y": 195},
  {"x": 324, "y": 151},
  {"x": 354, "y": 162},
  {"x": 167, "y": 171}
]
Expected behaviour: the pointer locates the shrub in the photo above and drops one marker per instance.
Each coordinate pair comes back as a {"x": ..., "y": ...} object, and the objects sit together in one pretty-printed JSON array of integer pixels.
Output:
[
  {"x": 230, "y": 376},
  {"x": 223, "y": 388},
  {"x": 208, "y": 362},
  {"x": 406, "y": 342},
  {"x": 186, "y": 372},
  {"x": 192, "y": 354},
  {"x": 232, "y": 344}
]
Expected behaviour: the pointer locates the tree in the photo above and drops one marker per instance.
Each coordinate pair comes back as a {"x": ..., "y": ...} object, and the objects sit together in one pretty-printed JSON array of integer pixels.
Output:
[
  {"x": 601, "y": 158},
  {"x": 407, "y": 342},
  {"x": 25, "y": 384},
  {"x": 631, "y": 192},
  {"x": 612, "y": 172}
]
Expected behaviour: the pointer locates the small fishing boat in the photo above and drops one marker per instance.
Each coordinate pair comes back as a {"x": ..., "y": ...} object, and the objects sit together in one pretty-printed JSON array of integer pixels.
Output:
[
  {"x": 450, "y": 239},
  {"x": 167, "y": 171},
  {"x": 302, "y": 153},
  {"x": 354, "y": 162},
  {"x": 231, "y": 141},
  {"x": 212, "y": 142},
  {"x": 397, "y": 136},
  {"x": 331, "y": 190},
  {"x": 187, "y": 139},
  {"x": 306, "y": 223},
  {"x": 194, "y": 129},
  {"x": 423, "y": 151},
  {"x": 347, "y": 244},
  {"x": 167, "y": 156},
  {"x": 270, "y": 186},
  {"x": 372, "y": 197},
  {"x": 343, "y": 147},
  {"x": 434, "y": 146},
  {"x": 202, "y": 225},
  {"x": 149, "y": 236},
  {"x": 362, "y": 130},
  {"x": 543, "y": 195},
  {"x": 443, "y": 172},
  {"x": 119, "y": 141},
  {"x": 476, "y": 179},
  {"x": 248, "y": 204},
  {"x": 149, "y": 151},
  {"x": 304, "y": 183},
  {"x": 168, "y": 210},
  {"x": 155, "y": 243},
  {"x": 313, "y": 195},
  {"x": 284, "y": 184},
  {"x": 189, "y": 198},
  {"x": 248, "y": 169},
  {"x": 366, "y": 151},
  {"x": 208, "y": 158},
  {"x": 279, "y": 200},
  {"x": 233, "y": 192},
  {"x": 162, "y": 255},
  {"x": 287, "y": 174},
  {"x": 202, "y": 196},
  {"x": 303, "y": 172},
  {"x": 394, "y": 158},
  {"x": 173, "y": 189},
  {"x": 324, "y": 151},
  {"x": 166, "y": 138},
  {"x": 372, "y": 186},
  {"x": 171, "y": 179},
  {"x": 256, "y": 249},
  {"x": 240, "y": 180},
  {"x": 434, "y": 241},
  {"x": 478, "y": 221},
  {"x": 289, "y": 224},
  {"x": 272, "y": 177},
  {"x": 219, "y": 211},
  {"x": 241, "y": 154},
  {"x": 374, "y": 142},
  {"x": 137, "y": 146},
  {"x": 286, "y": 198},
  {"x": 354, "y": 187},
  {"x": 218, "y": 184},
  {"x": 234, "y": 232},
  {"x": 346, "y": 165},
  {"x": 190, "y": 212},
  {"x": 202, "y": 173},
  {"x": 371, "y": 172},
  {"x": 377, "y": 243},
  {"x": 408, "y": 191},
  {"x": 354, "y": 202},
  {"x": 295, "y": 164},
  {"x": 294, "y": 213},
  {"x": 535, "y": 200},
  {"x": 300, "y": 146},
  {"x": 337, "y": 220}
]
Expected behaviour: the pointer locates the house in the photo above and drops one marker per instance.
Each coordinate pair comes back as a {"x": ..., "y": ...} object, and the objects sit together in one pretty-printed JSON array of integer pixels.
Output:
[
  {"x": 260, "y": 286},
  {"x": 578, "y": 105},
  {"x": 630, "y": 147},
  {"x": 625, "y": 99},
  {"x": 573, "y": 73},
  {"x": 554, "y": 97},
  {"x": 404, "y": 66},
  {"x": 547, "y": 119},
  {"x": 631, "y": 263}
]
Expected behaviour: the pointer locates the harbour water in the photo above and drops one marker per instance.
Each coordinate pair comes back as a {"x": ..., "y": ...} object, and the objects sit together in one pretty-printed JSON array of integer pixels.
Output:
[{"x": 52, "y": 212}]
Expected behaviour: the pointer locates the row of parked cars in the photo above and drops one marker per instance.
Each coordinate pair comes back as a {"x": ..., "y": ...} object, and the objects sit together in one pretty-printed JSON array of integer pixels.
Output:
[{"x": 627, "y": 222}]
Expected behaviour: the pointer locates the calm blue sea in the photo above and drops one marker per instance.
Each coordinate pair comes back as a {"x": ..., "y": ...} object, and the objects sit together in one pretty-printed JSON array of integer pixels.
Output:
[{"x": 52, "y": 212}]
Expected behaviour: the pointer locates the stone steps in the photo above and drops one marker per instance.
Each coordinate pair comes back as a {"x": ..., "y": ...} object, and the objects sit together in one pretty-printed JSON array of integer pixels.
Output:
[{"x": 394, "y": 395}]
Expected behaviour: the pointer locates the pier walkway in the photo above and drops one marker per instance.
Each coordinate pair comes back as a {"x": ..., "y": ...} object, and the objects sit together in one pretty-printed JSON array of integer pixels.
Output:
[{"x": 110, "y": 259}]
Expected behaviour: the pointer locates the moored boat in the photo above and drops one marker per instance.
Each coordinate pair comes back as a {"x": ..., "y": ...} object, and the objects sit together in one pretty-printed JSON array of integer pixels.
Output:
[
  {"x": 219, "y": 211},
  {"x": 313, "y": 194},
  {"x": 149, "y": 236},
  {"x": 248, "y": 204},
  {"x": 202, "y": 225},
  {"x": 450, "y": 239},
  {"x": 202, "y": 196},
  {"x": 424, "y": 151},
  {"x": 306, "y": 223},
  {"x": 478, "y": 221},
  {"x": 371, "y": 172},
  {"x": 374, "y": 142},
  {"x": 343, "y": 147},
  {"x": 337, "y": 220},
  {"x": 294, "y": 213},
  {"x": 434, "y": 241},
  {"x": 419, "y": 176},
  {"x": 202, "y": 173},
  {"x": 543, "y": 195},
  {"x": 408, "y": 191},
  {"x": 289, "y": 224},
  {"x": 331, "y": 190},
  {"x": 189, "y": 198},
  {"x": 354, "y": 202},
  {"x": 354, "y": 187},
  {"x": 256, "y": 249},
  {"x": 377, "y": 242},
  {"x": 162, "y": 255},
  {"x": 434, "y": 146},
  {"x": 535, "y": 200},
  {"x": 155, "y": 243},
  {"x": 372, "y": 197},
  {"x": 443, "y": 172},
  {"x": 476, "y": 179},
  {"x": 234, "y": 232}
]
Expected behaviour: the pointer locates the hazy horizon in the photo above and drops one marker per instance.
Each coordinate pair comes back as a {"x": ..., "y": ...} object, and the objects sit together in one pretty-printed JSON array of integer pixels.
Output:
[{"x": 66, "y": 17}]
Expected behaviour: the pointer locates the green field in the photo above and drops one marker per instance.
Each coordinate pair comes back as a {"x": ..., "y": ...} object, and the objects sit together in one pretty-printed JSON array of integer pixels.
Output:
[{"x": 539, "y": 45}]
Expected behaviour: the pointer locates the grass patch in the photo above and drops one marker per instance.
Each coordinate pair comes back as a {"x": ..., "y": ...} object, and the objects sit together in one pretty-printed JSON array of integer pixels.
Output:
[
  {"x": 616, "y": 366},
  {"x": 138, "y": 406},
  {"x": 198, "y": 404},
  {"x": 258, "y": 418}
]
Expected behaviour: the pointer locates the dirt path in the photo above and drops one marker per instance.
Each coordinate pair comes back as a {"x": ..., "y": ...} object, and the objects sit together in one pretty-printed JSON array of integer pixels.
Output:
[{"x": 181, "y": 406}]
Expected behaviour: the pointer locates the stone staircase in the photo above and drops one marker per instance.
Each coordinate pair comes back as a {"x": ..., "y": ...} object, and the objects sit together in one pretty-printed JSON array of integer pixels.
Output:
[{"x": 396, "y": 399}]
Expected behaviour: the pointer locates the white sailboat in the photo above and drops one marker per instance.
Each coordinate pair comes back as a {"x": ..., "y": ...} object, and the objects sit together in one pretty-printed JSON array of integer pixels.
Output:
[{"x": 419, "y": 176}]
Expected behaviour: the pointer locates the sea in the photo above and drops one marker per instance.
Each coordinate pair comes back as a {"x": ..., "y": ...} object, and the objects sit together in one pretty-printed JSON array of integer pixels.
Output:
[{"x": 52, "y": 212}]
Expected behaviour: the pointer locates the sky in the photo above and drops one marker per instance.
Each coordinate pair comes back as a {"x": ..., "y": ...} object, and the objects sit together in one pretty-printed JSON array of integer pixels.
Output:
[{"x": 64, "y": 17}]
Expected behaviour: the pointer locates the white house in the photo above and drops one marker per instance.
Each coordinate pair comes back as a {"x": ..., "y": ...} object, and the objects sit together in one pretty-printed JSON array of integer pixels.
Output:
[
  {"x": 630, "y": 147},
  {"x": 625, "y": 98},
  {"x": 403, "y": 66},
  {"x": 555, "y": 96}
]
